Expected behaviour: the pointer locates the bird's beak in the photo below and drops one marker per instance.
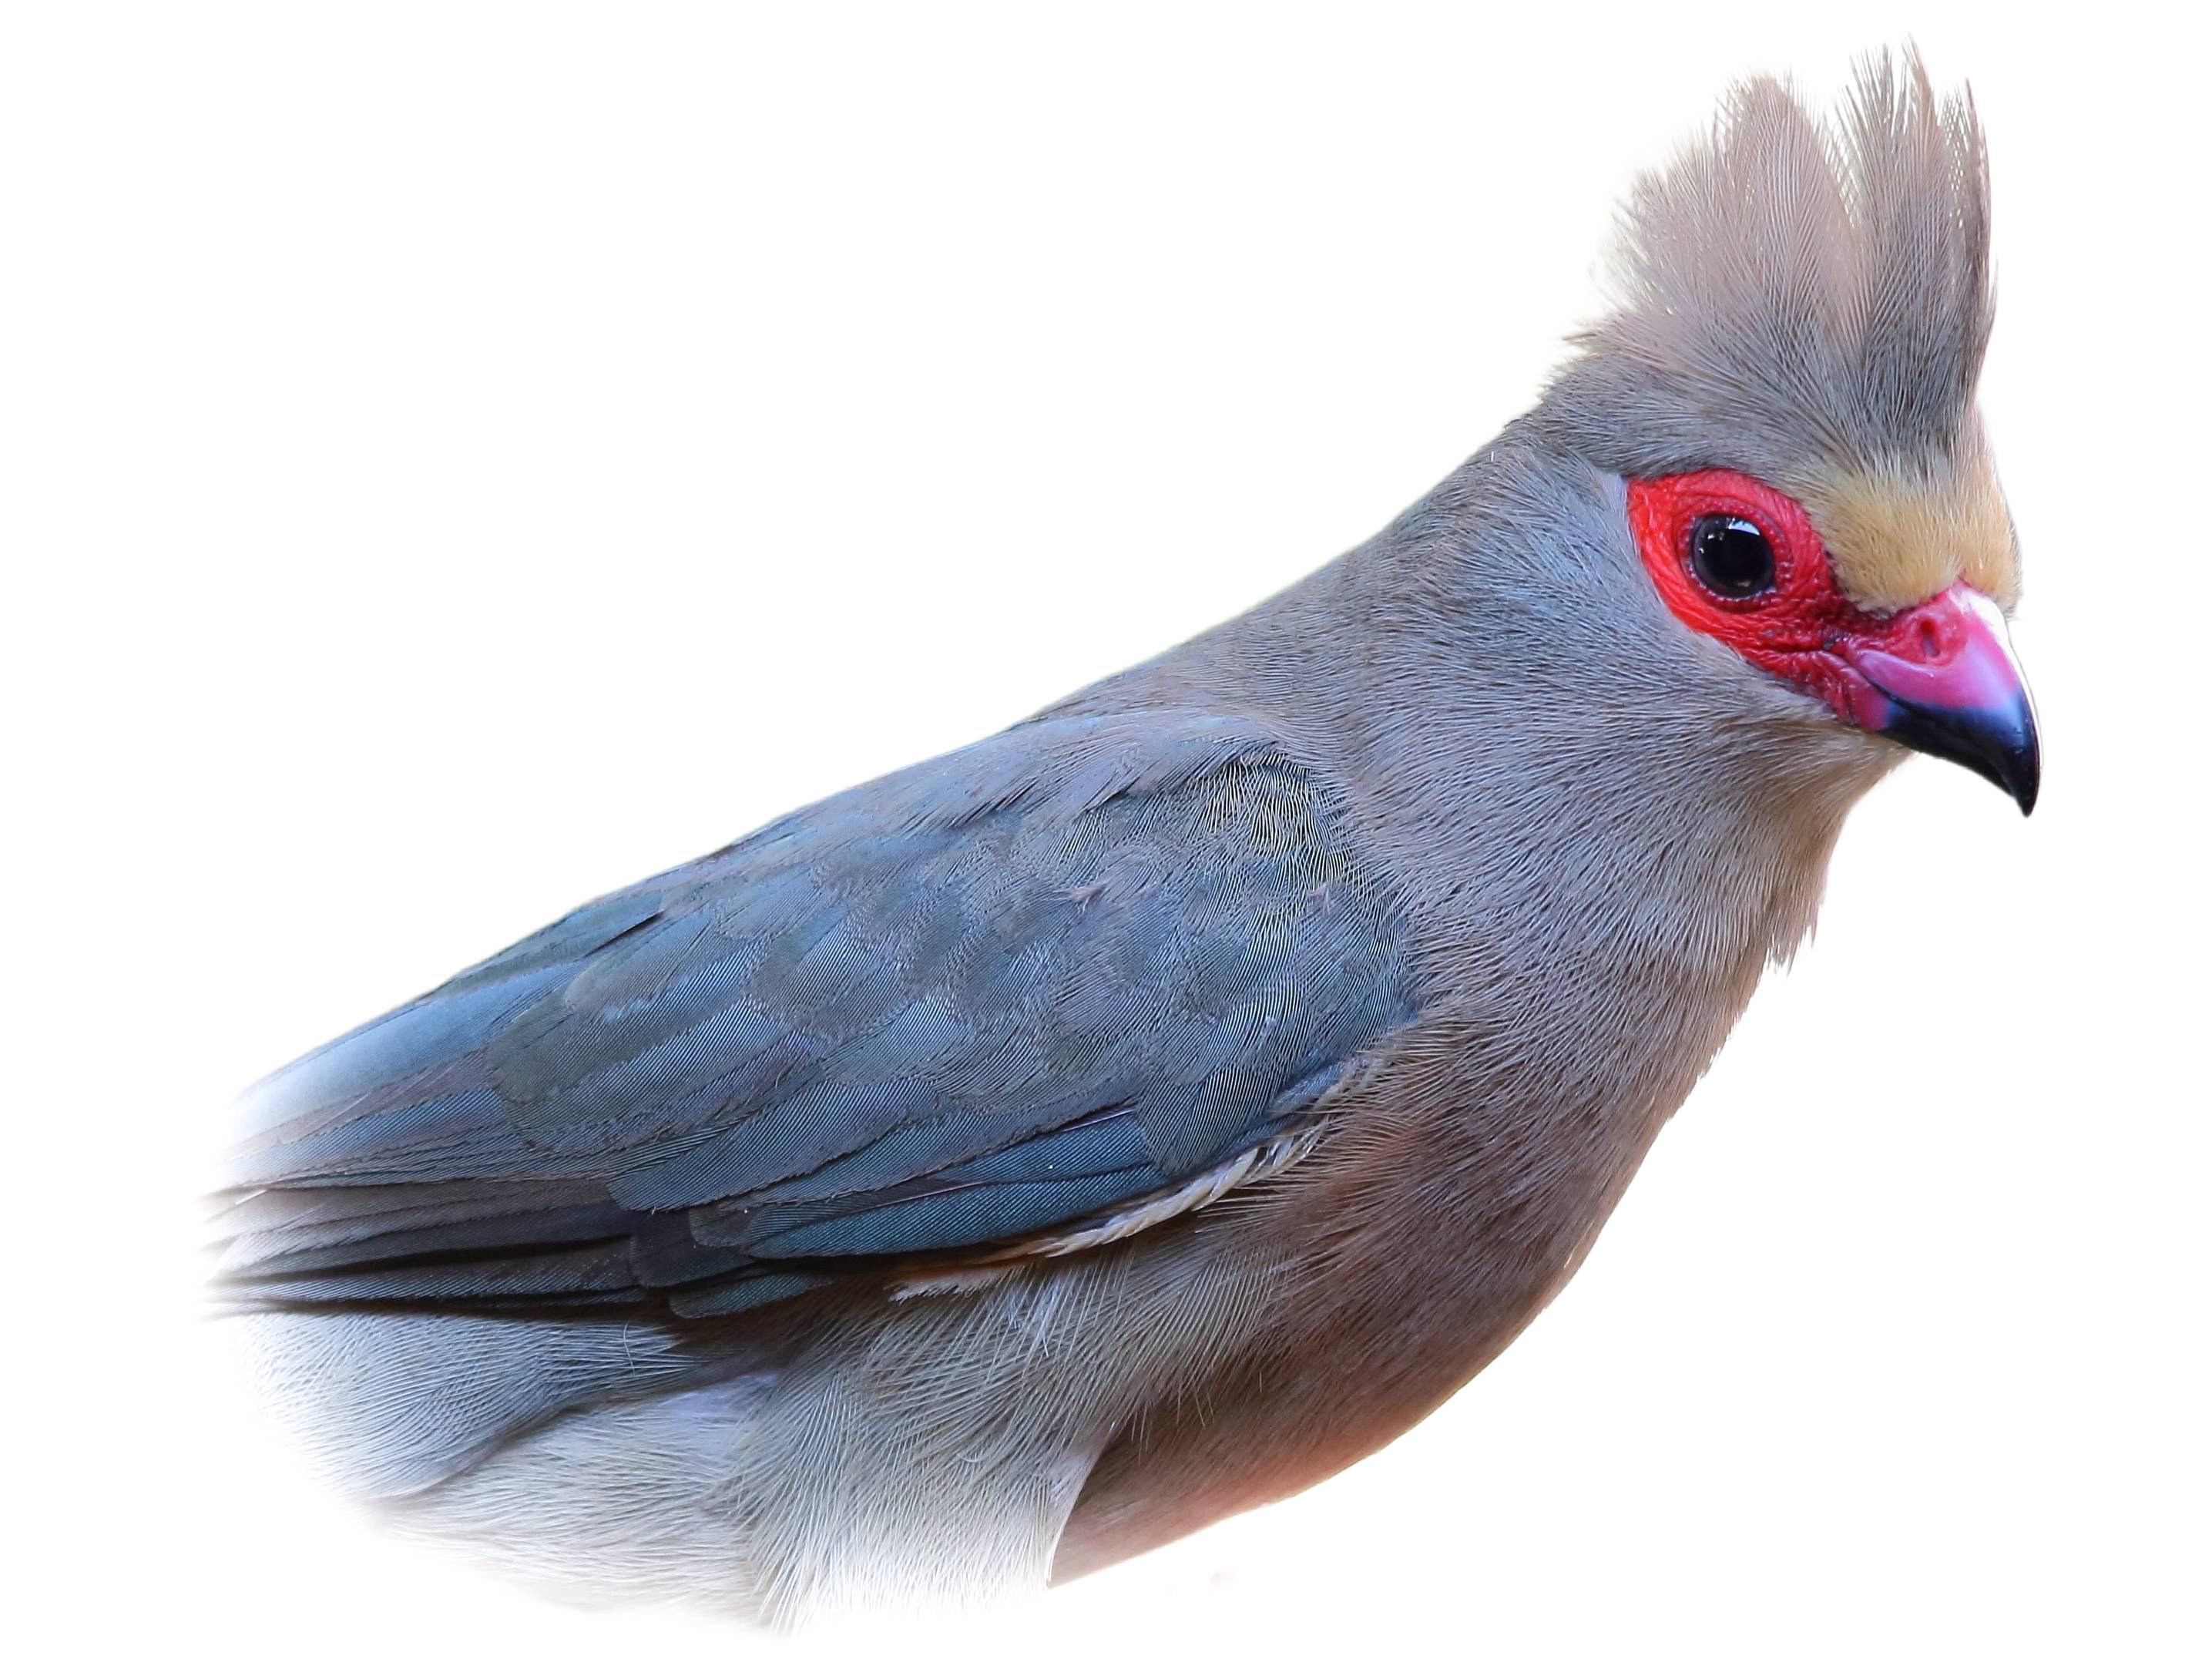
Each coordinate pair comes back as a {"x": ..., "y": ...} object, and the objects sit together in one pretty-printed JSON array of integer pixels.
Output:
[{"x": 1943, "y": 678}]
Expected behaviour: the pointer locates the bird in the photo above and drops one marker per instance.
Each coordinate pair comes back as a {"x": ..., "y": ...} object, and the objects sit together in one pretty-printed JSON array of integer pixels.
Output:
[{"x": 977, "y": 1178}]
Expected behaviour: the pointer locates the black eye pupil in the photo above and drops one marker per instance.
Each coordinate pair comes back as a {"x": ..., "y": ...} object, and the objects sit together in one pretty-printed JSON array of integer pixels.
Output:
[{"x": 1731, "y": 556}]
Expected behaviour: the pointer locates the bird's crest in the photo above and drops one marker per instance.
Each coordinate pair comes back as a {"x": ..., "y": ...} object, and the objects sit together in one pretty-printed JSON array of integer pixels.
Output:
[{"x": 1820, "y": 288}]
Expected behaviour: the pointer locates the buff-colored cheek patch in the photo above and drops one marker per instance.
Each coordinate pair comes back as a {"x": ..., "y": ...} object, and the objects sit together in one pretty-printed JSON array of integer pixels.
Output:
[{"x": 1899, "y": 534}]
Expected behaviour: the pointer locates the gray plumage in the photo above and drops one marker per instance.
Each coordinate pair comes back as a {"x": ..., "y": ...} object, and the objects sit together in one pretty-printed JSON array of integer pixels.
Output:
[
  {"x": 1018, "y": 1162},
  {"x": 1814, "y": 294}
]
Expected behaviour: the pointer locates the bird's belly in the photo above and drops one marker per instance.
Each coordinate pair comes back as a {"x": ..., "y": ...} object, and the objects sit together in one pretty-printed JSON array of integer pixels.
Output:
[
  {"x": 1369, "y": 1344},
  {"x": 1265, "y": 1432}
]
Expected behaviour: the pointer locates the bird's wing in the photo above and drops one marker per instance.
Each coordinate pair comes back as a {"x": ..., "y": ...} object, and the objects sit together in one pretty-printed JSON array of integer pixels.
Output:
[{"x": 1089, "y": 967}]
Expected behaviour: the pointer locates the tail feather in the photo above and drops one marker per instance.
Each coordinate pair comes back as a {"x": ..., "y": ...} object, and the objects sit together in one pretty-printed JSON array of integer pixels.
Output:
[
  {"x": 388, "y": 1403},
  {"x": 337, "y": 1236}
]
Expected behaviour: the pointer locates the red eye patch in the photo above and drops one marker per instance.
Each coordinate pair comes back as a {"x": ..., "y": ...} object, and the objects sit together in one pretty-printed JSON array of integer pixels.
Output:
[
  {"x": 1739, "y": 561},
  {"x": 1790, "y": 629},
  {"x": 1802, "y": 612}
]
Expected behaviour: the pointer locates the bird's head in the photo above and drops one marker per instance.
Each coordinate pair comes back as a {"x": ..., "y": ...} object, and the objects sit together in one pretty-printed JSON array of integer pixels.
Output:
[{"x": 1786, "y": 384}]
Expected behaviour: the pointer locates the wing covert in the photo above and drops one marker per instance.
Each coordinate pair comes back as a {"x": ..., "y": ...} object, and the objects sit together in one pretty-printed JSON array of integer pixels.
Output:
[{"x": 1079, "y": 962}]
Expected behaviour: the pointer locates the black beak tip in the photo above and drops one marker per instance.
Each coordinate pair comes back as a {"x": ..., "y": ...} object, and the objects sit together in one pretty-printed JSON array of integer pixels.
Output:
[{"x": 1999, "y": 743}]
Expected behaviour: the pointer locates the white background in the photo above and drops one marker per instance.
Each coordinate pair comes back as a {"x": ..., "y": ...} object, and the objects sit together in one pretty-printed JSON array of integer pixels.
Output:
[{"x": 459, "y": 459}]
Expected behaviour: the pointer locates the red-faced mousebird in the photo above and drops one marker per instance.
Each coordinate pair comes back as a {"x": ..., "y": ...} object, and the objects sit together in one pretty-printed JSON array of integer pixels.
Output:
[{"x": 1028, "y": 1158}]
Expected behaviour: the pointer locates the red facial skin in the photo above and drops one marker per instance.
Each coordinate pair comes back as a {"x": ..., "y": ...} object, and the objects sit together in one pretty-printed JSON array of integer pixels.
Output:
[{"x": 1947, "y": 652}]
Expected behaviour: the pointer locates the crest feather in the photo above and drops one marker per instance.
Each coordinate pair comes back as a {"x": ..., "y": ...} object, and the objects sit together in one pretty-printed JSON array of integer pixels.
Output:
[
  {"x": 1839, "y": 269},
  {"x": 1809, "y": 299}
]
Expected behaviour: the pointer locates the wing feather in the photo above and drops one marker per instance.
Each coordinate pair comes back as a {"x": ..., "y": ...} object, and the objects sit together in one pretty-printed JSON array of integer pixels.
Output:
[{"x": 1063, "y": 973}]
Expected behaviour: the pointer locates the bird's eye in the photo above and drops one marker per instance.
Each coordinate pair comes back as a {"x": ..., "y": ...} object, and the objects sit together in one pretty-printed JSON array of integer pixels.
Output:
[{"x": 1732, "y": 556}]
